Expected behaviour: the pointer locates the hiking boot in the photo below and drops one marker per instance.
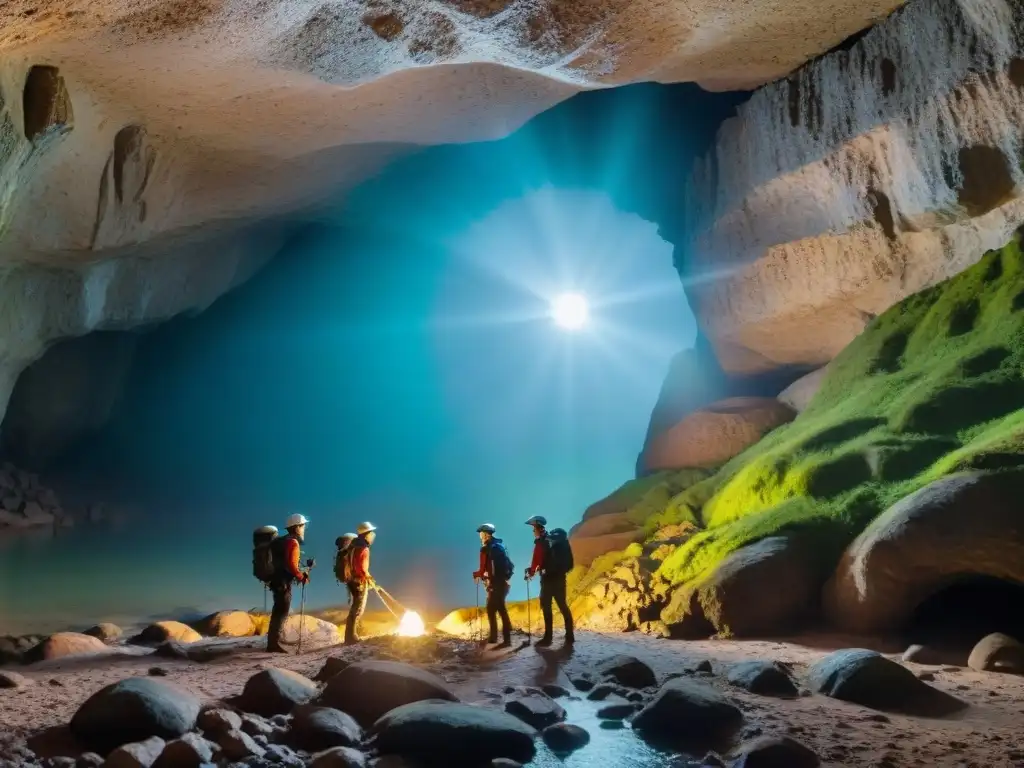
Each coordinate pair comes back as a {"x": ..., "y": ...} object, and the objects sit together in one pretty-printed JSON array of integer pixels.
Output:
[
  {"x": 504, "y": 644},
  {"x": 491, "y": 641},
  {"x": 544, "y": 642},
  {"x": 570, "y": 640}
]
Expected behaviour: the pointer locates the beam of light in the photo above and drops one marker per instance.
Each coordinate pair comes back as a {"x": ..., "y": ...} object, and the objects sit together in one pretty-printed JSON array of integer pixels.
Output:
[
  {"x": 411, "y": 625},
  {"x": 570, "y": 311}
]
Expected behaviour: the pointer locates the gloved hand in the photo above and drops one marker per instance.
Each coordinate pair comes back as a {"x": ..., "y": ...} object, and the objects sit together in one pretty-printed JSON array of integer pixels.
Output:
[
  {"x": 371, "y": 583},
  {"x": 304, "y": 578}
]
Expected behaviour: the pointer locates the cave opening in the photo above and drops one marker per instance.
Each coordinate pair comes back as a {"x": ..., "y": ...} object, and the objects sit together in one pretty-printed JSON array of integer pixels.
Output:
[
  {"x": 968, "y": 608},
  {"x": 395, "y": 361}
]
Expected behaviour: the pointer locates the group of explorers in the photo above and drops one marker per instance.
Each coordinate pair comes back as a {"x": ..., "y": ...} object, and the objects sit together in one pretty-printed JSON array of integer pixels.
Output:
[{"x": 277, "y": 562}]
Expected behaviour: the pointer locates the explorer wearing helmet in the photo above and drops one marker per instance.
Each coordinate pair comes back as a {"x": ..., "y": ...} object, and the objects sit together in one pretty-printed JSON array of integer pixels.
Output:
[
  {"x": 357, "y": 577},
  {"x": 496, "y": 570},
  {"x": 286, "y": 556},
  {"x": 552, "y": 559}
]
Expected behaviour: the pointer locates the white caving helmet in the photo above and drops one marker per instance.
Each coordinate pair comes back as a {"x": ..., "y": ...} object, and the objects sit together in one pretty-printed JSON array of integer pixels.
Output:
[
  {"x": 344, "y": 540},
  {"x": 267, "y": 529},
  {"x": 366, "y": 527},
  {"x": 296, "y": 520}
]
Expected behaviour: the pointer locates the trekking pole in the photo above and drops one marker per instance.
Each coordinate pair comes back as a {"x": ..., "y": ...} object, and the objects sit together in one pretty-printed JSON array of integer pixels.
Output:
[
  {"x": 529, "y": 616},
  {"x": 479, "y": 626},
  {"x": 302, "y": 616},
  {"x": 264, "y": 598}
]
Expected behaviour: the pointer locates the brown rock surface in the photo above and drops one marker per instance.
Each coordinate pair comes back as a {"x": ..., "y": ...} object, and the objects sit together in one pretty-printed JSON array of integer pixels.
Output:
[
  {"x": 64, "y": 644},
  {"x": 162, "y": 631},
  {"x": 714, "y": 434},
  {"x": 963, "y": 525},
  {"x": 875, "y": 172},
  {"x": 228, "y": 624}
]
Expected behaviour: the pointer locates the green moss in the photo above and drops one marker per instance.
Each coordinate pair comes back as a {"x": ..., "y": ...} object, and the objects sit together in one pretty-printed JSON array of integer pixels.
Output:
[
  {"x": 582, "y": 579},
  {"x": 658, "y": 496},
  {"x": 935, "y": 385}
]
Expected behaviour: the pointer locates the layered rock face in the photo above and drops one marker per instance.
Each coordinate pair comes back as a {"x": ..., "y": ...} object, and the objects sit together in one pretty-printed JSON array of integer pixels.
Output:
[{"x": 866, "y": 176}]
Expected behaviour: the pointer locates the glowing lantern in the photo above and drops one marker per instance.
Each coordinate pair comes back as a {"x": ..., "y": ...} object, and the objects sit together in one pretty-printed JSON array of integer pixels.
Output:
[{"x": 411, "y": 625}]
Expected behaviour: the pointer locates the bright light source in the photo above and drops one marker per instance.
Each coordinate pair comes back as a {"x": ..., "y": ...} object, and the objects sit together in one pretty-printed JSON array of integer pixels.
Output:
[
  {"x": 570, "y": 311},
  {"x": 411, "y": 625}
]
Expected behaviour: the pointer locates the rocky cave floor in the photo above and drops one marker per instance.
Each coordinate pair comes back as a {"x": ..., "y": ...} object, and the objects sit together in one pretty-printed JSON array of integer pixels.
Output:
[{"x": 46, "y": 695}]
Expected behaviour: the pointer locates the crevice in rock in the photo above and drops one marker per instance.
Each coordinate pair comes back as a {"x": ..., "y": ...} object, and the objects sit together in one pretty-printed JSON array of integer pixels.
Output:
[
  {"x": 888, "y": 77},
  {"x": 986, "y": 180},
  {"x": 1015, "y": 71},
  {"x": 966, "y": 609},
  {"x": 881, "y": 211},
  {"x": 46, "y": 102}
]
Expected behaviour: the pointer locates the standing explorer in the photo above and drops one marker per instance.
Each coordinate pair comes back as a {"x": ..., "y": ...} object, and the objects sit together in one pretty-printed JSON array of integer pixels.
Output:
[
  {"x": 356, "y": 575},
  {"x": 552, "y": 559},
  {"x": 496, "y": 570},
  {"x": 286, "y": 555}
]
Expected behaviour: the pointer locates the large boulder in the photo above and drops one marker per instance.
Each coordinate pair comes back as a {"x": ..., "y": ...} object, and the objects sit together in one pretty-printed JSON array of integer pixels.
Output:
[
  {"x": 108, "y": 633},
  {"x": 732, "y": 599},
  {"x": 776, "y": 752},
  {"x": 134, "y": 710},
  {"x": 712, "y": 435},
  {"x": 276, "y": 692},
  {"x": 867, "y": 678},
  {"x": 998, "y": 653},
  {"x": 688, "y": 713},
  {"x": 140, "y": 754},
  {"x": 316, "y": 728},
  {"x": 369, "y": 689},
  {"x": 314, "y": 633},
  {"x": 450, "y": 733},
  {"x": 228, "y": 624},
  {"x": 162, "y": 631},
  {"x": 799, "y": 394},
  {"x": 190, "y": 751},
  {"x": 534, "y": 707},
  {"x": 628, "y": 671},
  {"x": 62, "y": 645},
  {"x": 962, "y": 525},
  {"x": 765, "y": 678}
]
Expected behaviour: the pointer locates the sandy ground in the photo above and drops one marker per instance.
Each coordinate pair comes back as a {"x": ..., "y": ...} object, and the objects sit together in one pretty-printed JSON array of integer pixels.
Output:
[{"x": 988, "y": 734}]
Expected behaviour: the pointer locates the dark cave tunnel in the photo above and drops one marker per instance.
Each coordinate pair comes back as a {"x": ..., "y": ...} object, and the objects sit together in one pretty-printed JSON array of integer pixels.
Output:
[{"x": 956, "y": 616}]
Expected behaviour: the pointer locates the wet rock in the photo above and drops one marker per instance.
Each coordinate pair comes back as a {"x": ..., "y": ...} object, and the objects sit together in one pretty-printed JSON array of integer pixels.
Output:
[
  {"x": 602, "y": 691},
  {"x": 134, "y": 710},
  {"x": 555, "y": 691},
  {"x": 105, "y": 632},
  {"x": 332, "y": 666},
  {"x": 582, "y": 684},
  {"x": 190, "y": 751},
  {"x": 535, "y": 708},
  {"x": 998, "y": 653},
  {"x": 612, "y": 725},
  {"x": 14, "y": 680},
  {"x": 368, "y": 689},
  {"x": 867, "y": 678},
  {"x": 339, "y": 757},
  {"x": 504, "y": 762},
  {"x": 702, "y": 667},
  {"x": 616, "y": 711},
  {"x": 686, "y": 713},
  {"x": 162, "y": 631},
  {"x": 776, "y": 752},
  {"x": 88, "y": 760},
  {"x": 228, "y": 624},
  {"x": 765, "y": 678},
  {"x": 628, "y": 671},
  {"x": 279, "y": 754},
  {"x": 238, "y": 745},
  {"x": 460, "y": 734},
  {"x": 564, "y": 738},
  {"x": 317, "y": 728},
  {"x": 219, "y": 721},
  {"x": 62, "y": 645},
  {"x": 140, "y": 754},
  {"x": 276, "y": 692}
]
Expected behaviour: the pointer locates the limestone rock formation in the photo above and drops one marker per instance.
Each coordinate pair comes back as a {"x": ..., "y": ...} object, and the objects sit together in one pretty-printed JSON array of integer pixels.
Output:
[
  {"x": 715, "y": 433},
  {"x": 955, "y": 527},
  {"x": 799, "y": 394},
  {"x": 26, "y": 503},
  {"x": 864, "y": 177}
]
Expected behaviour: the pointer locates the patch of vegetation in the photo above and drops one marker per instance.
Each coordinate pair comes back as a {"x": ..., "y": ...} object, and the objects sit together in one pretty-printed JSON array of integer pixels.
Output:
[
  {"x": 933, "y": 386},
  {"x": 659, "y": 496}
]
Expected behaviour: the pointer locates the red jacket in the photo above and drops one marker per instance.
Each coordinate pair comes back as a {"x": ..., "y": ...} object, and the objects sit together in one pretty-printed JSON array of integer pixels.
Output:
[
  {"x": 291, "y": 559},
  {"x": 539, "y": 550},
  {"x": 361, "y": 561}
]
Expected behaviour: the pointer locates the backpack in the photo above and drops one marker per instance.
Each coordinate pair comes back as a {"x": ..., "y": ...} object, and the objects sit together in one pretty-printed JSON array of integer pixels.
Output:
[
  {"x": 263, "y": 554},
  {"x": 501, "y": 563},
  {"x": 343, "y": 564},
  {"x": 559, "y": 559}
]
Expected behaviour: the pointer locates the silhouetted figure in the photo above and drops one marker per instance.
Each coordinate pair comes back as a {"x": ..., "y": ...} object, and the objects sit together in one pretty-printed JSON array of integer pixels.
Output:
[
  {"x": 496, "y": 570},
  {"x": 552, "y": 559},
  {"x": 286, "y": 554},
  {"x": 358, "y": 578}
]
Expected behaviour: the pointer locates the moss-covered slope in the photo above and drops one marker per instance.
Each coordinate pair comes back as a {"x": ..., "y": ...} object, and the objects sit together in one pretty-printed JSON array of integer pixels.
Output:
[{"x": 933, "y": 386}]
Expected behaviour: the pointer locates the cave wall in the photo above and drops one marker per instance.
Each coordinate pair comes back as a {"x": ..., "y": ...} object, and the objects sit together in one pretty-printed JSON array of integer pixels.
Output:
[{"x": 867, "y": 175}]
